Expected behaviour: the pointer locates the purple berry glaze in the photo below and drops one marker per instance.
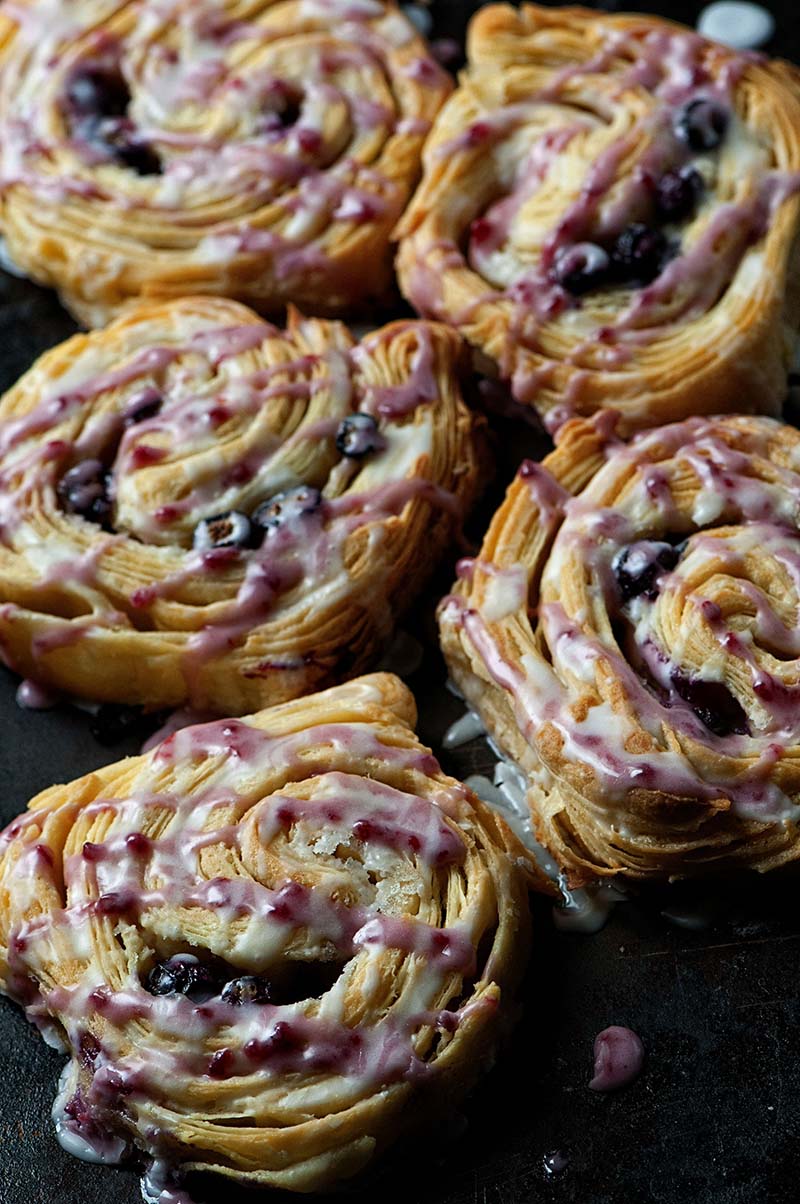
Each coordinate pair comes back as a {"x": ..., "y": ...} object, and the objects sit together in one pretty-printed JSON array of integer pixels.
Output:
[{"x": 618, "y": 1058}]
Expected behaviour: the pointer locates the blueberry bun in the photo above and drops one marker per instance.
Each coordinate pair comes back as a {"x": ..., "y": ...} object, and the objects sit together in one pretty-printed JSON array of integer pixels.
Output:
[
  {"x": 198, "y": 507},
  {"x": 256, "y": 150},
  {"x": 609, "y": 213},
  {"x": 270, "y": 946},
  {"x": 629, "y": 634}
]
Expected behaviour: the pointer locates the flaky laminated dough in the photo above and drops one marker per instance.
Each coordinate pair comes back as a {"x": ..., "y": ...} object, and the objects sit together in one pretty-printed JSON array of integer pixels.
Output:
[
  {"x": 259, "y": 150},
  {"x": 198, "y": 507},
  {"x": 271, "y": 945},
  {"x": 609, "y": 213},
  {"x": 629, "y": 634}
]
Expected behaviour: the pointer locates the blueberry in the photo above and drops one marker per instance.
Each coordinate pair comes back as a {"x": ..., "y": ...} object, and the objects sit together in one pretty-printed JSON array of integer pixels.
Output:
[
  {"x": 84, "y": 490},
  {"x": 713, "y": 704},
  {"x": 182, "y": 975},
  {"x": 357, "y": 435},
  {"x": 639, "y": 253},
  {"x": 285, "y": 507},
  {"x": 138, "y": 156},
  {"x": 145, "y": 405},
  {"x": 114, "y": 139},
  {"x": 677, "y": 193},
  {"x": 638, "y": 567},
  {"x": 98, "y": 91},
  {"x": 581, "y": 267},
  {"x": 248, "y": 989},
  {"x": 230, "y": 530},
  {"x": 702, "y": 124}
]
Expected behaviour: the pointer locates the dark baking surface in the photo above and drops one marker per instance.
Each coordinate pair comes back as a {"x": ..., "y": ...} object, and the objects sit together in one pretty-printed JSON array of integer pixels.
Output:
[{"x": 713, "y": 1119}]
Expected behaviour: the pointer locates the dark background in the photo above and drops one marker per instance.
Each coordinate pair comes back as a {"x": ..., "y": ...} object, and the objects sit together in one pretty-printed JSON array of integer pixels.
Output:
[{"x": 713, "y": 1119}]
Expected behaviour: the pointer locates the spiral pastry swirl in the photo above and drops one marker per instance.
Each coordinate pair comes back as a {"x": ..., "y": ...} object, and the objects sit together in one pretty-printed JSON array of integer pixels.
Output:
[
  {"x": 629, "y": 633},
  {"x": 196, "y": 506},
  {"x": 256, "y": 149},
  {"x": 609, "y": 214},
  {"x": 270, "y": 944}
]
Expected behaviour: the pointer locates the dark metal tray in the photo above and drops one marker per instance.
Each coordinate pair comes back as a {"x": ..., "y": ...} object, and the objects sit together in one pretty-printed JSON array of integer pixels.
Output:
[{"x": 711, "y": 1121}]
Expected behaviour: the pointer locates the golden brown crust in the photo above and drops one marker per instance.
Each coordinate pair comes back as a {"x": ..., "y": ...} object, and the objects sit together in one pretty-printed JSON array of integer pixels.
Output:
[
  {"x": 273, "y": 146},
  {"x": 134, "y": 614},
  {"x": 628, "y": 635},
  {"x": 558, "y": 136},
  {"x": 316, "y": 837}
]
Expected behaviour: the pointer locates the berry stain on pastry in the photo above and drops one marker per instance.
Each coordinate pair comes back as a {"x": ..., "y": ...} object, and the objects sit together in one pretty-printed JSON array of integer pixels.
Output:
[
  {"x": 270, "y": 946},
  {"x": 631, "y": 200},
  {"x": 630, "y": 642},
  {"x": 193, "y": 147},
  {"x": 199, "y": 508}
]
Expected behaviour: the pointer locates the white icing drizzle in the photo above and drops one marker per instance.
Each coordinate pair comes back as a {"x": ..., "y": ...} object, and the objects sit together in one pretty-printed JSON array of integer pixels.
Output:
[
  {"x": 583, "y": 910},
  {"x": 462, "y": 730}
]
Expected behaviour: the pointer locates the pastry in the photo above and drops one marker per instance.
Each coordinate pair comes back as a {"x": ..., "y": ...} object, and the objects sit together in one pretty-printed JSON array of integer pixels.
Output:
[
  {"x": 197, "y": 507},
  {"x": 629, "y": 635},
  {"x": 270, "y": 945},
  {"x": 163, "y": 148},
  {"x": 609, "y": 214}
]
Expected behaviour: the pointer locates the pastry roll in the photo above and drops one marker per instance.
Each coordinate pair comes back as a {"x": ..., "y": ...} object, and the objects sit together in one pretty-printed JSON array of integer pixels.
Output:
[
  {"x": 609, "y": 214},
  {"x": 270, "y": 945},
  {"x": 629, "y": 635},
  {"x": 198, "y": 507},
  {"x": 161, "y": 148}
]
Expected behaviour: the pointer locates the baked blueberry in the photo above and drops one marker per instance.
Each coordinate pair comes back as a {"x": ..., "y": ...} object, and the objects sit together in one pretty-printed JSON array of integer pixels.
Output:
[
  {"x": 638, "y": 567},
  {"x": 247, "y": 989},
  {"x": 357, "y": 435},
  {"x": 702, "y": 124},
  {"x": 677, "y": 194},
  {"x": 285, "y": 507},
  {"x": 98, "y": 91},
  {"x": 137, "y": 155},
  {"x": 83, "y": 490},
  {"x": 581, "y": 267},
  {"x": 230, "y": 530},
  {"x": 182, "y": 974},
  {"x": 146, "y": 405},
  {"x": 712, "y": 703},
  {"x": 639, "y": 253}
]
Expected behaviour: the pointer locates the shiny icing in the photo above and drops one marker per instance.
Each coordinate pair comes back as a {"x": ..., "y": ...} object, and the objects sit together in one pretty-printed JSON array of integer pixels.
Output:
[{"x": 618, "y": 1058}]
